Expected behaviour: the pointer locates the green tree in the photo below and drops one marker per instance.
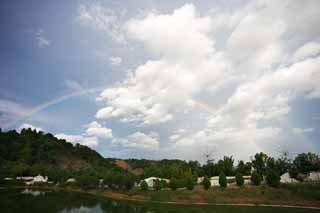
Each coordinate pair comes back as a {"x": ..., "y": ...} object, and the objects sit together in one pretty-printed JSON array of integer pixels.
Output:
[
  {"x": 222, "y": 180},
  {"x": 189, "y": 182},
  {"x": 157, "y": 185},
  {"x": 206, "y": 183},
  {"x": 306, "y": 162},
  {"x": 260, "y": 163},
  {"x": 144, "y": 185},
  {"x": 256, "y": 178},
  {"x": 239, "y": 179},
  {"x": 173, "y": 184},
  {"x": 273, "y": 178},
  {"x": 244, "y": 168}
]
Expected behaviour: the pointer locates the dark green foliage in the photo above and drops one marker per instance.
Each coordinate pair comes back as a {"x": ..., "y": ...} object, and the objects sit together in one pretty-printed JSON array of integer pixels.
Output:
[
  {"x": 306, "y": 162},
  {"x": 144, "y": 185},
  {"x": 30, "y": 153},
  {"x": 256, "y": 178},
  {"x": 206, "y": 183},
  {"x": 222, "y": 180},
  {"x": 273, "y": 178},
  {"x": 244, "y": 168},
  {"x": 190, "y": 182},
  {"x": 260, "y": 163},
  {"x": 239, "y": 179},
  {"x": 174, "y": 184},
  {"x": 164, "y": 184},
  {"x": 157, "y": 185}
]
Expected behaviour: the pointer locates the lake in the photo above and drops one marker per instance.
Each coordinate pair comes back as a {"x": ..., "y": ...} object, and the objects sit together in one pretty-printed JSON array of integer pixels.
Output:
[{"x": 24, "y": 200}]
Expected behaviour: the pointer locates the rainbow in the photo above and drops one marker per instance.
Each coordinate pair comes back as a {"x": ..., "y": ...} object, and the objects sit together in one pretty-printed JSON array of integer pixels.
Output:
[{"x": 51, "y": 103}]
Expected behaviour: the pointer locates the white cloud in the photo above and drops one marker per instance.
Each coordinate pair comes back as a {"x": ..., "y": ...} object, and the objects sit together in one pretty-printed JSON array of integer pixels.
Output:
[
  {"x": 246, "y": 80},
  {"x": 300, "y": 131},
  {"x": 73, "y": 85},
  {"x": 174, "y": 137},
  {"x": 139, "y": 141},
  {"x": 42, "y": 41},
  {"x": 86, "y": 141},
  {"x": 115, "y": 60},
  {"x": 29, "y": 126},
  {"x": 159, "y": 88},
  {"x": 142, "y": 141},
  {"x": 96, "y": 129},
  {"x": 93, "y": 14},
  {"x": 310, "y": 49}
]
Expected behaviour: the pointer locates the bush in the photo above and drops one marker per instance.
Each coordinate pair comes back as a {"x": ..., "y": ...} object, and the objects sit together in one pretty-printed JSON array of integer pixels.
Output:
[
  {"x": 206, "y": 183},
  {"x": 164, "y": 184},
  {"x": 173, "y": 184},
  {"x": 273, "y": 178},
  {"x": 144, "y": 185},
  {"x": 239, "y": 179},
  {"x": 256, "y": 178},
  {"x": 222, "y": 180},
  {"x": 189, "y": 182},
  {"x": 158, "y": 185}
]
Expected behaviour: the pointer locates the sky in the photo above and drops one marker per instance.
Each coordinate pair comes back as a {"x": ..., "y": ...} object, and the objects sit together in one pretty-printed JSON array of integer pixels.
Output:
[{"x": 164, "y": 79}]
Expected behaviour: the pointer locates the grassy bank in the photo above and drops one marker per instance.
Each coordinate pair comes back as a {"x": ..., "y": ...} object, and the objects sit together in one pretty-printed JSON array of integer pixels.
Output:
[{"x": 295, "y": 195}]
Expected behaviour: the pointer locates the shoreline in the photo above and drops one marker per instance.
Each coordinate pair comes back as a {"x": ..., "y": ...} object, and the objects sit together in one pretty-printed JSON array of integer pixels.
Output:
[{"x": 124, "y": 197}]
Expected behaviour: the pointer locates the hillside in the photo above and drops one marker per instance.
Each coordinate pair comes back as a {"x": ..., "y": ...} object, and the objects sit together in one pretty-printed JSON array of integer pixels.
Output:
[{"x": 31, "y": 153}]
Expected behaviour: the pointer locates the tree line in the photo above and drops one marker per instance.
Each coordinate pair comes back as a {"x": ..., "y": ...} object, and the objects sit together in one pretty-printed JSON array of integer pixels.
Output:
[{"x": 30, "y": 153}]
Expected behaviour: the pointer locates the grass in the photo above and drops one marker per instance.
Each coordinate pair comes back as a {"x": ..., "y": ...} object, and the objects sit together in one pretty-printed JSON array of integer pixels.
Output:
[
  {"x": 302, "y": 194},
  {"x": 298, "y": 194}
]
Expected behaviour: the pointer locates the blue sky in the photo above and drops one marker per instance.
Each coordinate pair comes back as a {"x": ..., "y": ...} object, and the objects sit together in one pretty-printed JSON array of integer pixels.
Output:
[{"x": 164, "y": 79}]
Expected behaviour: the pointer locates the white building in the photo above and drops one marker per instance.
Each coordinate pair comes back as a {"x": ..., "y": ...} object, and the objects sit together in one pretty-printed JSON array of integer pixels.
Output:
[
  {"x": 247, "y": 179},
  {"x": 40, "y": 179},
  {"x": 151, "y": 181},
  {"x": 71, "y": 180},
  {"x": 200, "y": 180},
  {"x": 313, "y": 176},
  {"x": 24, "y": 178},
  {"x": 8, "y": 178},
  {"x": 214, "y": 181},
  {"x": 285, "y": 178}
]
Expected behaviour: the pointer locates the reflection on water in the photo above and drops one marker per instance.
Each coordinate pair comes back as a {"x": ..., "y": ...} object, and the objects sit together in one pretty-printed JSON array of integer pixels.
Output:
[
  {"x": 32, "y": 192},
  {"x": 16, "y": 201}
]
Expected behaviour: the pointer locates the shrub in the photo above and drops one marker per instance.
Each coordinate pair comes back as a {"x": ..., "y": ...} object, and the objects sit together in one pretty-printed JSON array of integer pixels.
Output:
[
  {"x": 189, "y": 182},
  {"x": 206, "y": 183},
  {"x": 239, "y": 179},
  {"x": 144, "y": 185},
  {"x": 158, "y": 185},
  {"x": 222, "y": 180},
  {"x": 164, "y": 184},
  {"x": 273, "y": 178},
  {"x": 256, "y": 178},
  {"x": 173, "y": 183}
]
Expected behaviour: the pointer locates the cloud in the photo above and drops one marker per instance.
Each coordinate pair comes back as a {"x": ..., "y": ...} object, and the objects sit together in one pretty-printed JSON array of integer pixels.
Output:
[
  {"x": 310, "y": 49},
  {"x": 300, "y": 131},
  {"x": 242, "y": 68},
  {"x": 139, "y": 140},
  {"x": 115, "y": 60},
  {"x": 29, "y": 126},
  {"x": 174, "y": 137},
  {"x": 73, "y": 85},
  {"x": 94, "y": 15},
  {"x": 10, "y": 111},
  {"x": 187, "y": 65},
  {"x": 42, "y": 41},
  {"x": 96, "y": 129},
  {"x": 86, "y": 141}
]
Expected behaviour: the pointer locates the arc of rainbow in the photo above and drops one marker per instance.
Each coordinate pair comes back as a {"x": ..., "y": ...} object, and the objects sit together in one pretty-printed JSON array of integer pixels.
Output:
[{"x": 52, "y": 103}]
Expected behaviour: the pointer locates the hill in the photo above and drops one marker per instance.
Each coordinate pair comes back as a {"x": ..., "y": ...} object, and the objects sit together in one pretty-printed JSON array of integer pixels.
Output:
[{"x": 29, "y": 153}]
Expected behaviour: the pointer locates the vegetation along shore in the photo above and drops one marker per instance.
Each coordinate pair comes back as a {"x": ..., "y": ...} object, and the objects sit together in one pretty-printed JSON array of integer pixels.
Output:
[{"x": 36, "y": 160}]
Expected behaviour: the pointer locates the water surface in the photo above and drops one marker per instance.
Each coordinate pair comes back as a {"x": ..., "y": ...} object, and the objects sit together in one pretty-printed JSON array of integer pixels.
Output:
[{"x": 18, "y": 201}]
